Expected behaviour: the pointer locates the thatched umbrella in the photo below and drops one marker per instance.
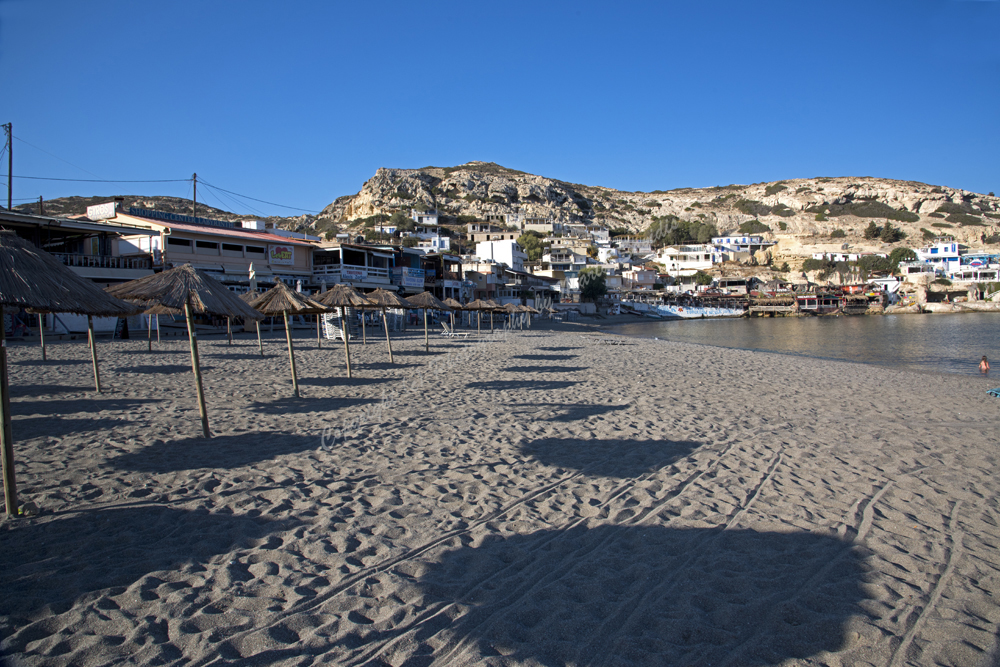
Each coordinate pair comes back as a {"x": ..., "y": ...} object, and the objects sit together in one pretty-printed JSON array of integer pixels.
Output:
[
  {"x": 384, "y": 299},
  {"x": 427, "y": 301},
  {"x": 493, "y": 307},
  {"x": 188, "y": 290},
  {"x": 344, "y": 297},
  {"x": 32, "y": 278},
  {"x": 283, "y": 299},
  {"x": 454, "y": 305},
  {"x": 479, "y": 306}
]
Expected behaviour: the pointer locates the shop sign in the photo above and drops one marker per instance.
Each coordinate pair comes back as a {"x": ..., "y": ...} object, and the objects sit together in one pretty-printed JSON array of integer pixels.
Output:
[{"x": 281, "y": 254}]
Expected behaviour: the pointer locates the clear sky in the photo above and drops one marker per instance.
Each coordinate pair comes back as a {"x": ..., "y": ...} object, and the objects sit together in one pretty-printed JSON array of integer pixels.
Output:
[{"x": 300, "y": 102}]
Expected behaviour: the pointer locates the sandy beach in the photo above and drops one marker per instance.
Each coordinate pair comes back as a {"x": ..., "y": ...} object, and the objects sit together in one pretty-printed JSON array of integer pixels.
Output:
[{"x": 535, "y": 498}]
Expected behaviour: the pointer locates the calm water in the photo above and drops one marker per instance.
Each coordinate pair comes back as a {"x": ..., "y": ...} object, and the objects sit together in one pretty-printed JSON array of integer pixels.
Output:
[{"x": 928, "y": 343}]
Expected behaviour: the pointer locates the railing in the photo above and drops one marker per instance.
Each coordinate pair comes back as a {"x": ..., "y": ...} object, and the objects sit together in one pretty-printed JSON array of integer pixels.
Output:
[
  {"x": 104, "y": 262},
  {"x": 351, "y": 272}
]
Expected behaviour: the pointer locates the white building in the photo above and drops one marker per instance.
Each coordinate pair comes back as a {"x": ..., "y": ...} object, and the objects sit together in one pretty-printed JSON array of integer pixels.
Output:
[
  {"x": 435, "y": 244},
  {"x": 505, "y": 252},
  {"x": 426, "y": 218},
  {"x": 943, "y": 255},
  {"x": 686, "y": 260},
  {"x": 633, "y": 245}
]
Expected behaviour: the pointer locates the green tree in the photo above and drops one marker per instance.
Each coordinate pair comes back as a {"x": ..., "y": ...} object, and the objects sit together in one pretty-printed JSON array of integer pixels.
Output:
[
  {"x": 401, "y": 221},
  {"x": 890, "y": 234},
  {"x": 592, "y": 251},
  {"x": 872, "y": 231},
  {"x": 531, "y": 241},
  {"x": 703, "y": 278},
  {"x": 593, "y": 283},
  {"x": 410, "y": 242},
  {"x": 901, "y": 255}
]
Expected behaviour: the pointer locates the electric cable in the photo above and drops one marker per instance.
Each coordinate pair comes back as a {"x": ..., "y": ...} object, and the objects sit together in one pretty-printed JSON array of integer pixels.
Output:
[{"x": 270, "y": 203}]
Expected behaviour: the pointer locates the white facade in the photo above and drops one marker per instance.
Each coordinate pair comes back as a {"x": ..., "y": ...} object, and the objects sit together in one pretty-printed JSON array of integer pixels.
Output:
[
  {"x": 689, "y": 259},
  {"x": 505, "y": 252},
  {"x": 943, "y": 255},
  {"x": 435, "y": 244},
  {"x": 429, "y": 218}
]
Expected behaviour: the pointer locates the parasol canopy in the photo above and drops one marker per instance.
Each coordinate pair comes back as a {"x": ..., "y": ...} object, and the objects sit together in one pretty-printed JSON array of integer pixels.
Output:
[
  {"x": 383, "y": 298},
  {"x": 427, "y": 301},
  {"x": 185, "y": 286},
  {"x": 344, "y": 296},
  {"x": 454, "y": 305}
]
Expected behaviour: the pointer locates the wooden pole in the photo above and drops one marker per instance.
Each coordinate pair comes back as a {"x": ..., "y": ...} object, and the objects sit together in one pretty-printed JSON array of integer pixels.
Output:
[
  {"x": 157, "y": 328},
  {"x": 345, "y": 330},
  {"x": 291, "y": 354},
  {"x": 319, "y": 339},
  {"x": 364, "y": 336},
  {"x": 196, "y": 367},
  {"x": 229, "y": 329},
  {"x": 149, "y": 333},
  {"x": 93, "y": 352},
  {"x": 260, "y": 345},
  {"x": 6, "y": 436},
  {"x": 41, "y": 333},
  {"x": 427, "y": 345},
  {"x": 479, "y": 322},
  {"x": 385, "y": 321},
  {"x": 491, "y": 321}
]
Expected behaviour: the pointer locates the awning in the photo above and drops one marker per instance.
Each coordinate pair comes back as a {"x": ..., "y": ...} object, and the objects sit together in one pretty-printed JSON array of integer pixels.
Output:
[{"x": 381, "y": 254}]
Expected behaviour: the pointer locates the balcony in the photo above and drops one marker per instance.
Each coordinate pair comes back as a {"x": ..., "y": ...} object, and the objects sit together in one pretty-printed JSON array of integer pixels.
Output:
[
  {"x": 336, "y": 273},
  {"x": 105, "y": 262}
]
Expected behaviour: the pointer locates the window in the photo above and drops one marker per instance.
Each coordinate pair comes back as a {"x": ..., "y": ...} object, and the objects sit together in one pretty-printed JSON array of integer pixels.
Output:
[
  {"x": 256, "y": 250},
  {"x": 178, "y": 242},
  {"x": 232, "y": 248},
  {"x": 207, "y": 244}
]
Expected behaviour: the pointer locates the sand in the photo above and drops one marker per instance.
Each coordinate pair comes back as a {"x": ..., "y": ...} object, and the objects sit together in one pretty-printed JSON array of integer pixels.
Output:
[{"x": 541, "y": 498}]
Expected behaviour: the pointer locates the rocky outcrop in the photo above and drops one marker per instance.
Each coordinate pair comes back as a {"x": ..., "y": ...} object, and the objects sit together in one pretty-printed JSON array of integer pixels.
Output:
[{"x": 811, "y": 207}]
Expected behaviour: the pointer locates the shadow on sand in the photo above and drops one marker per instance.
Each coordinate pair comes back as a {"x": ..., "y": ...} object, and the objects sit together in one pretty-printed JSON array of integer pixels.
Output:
[
  {"x": 306, "y": 405},
  {"x": 51, "y": 561},
  {"x": 90, "y": 406},
  {"x": 560, "y": 349},
  {"x": 545, "y": 369},
  {"x": 608, "y": 458},
  {"x": 339, "y": 381},
  {"x": 163, "y": 369},
  {"x": 616, "y": 595},
  {"x": 571, "y": 412},
  {"x": 222, "y": 451},
  {"x": 50, "y": 362},
  {"x": 545, "y": 357},
  {"x": 517, "y": 385},
  {"x": 51, "y": 427}
]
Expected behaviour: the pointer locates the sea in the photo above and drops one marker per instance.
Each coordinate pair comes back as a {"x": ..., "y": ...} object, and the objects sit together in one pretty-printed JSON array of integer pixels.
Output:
[{"x": 928, "y": 343}]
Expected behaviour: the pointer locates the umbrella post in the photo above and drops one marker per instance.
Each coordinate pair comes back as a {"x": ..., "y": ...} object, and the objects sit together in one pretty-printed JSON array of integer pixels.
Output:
[
  {"x": 157, "y": 328},
  {"x": 491, "y": 321},
  {"x": 346, "y": 332},
  {"x": 319, "y": 339},
  {"x": 260, "y": 345},
  {"x": 427, "y": 345},
  {"x": 385, "y": 321},
  {"x": 479, "y": 322},
  {"x": 229, "y": 329},
  {"x": 6, "y": 436},
  {"x": 41, "y": 333},
  {"x": 93, "y": 352},
  {"x": 149, "y": 333},
  {"x": 291, "y": 355},
  {"x": 364, "y": 336},
  {"x": 196, "y": 367}
]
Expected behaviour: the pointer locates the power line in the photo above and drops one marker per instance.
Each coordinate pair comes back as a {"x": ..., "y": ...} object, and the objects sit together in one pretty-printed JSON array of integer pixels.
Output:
[
  {"x": 55, "y": 156},
  {"x": 234, "y": 203},
  {"x": 270, "y": 203},
  {"x": 101, "y": 180}
]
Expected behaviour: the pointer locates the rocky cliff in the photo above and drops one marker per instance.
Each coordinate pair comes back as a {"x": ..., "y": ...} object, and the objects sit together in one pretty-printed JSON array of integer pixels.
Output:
[{"x": 793, "y": 208}]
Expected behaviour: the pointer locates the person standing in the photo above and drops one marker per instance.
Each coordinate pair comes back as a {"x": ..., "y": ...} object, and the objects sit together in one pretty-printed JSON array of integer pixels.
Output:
[{"x": 984, "y": 366}]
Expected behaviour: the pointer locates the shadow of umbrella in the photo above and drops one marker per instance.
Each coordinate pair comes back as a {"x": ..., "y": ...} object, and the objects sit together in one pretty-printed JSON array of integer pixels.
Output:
[
  {"x": 50, "y": 562},
  {"x": 630, "y": 595},
  {"x": 227, "y": 452},
  {"x": 609, "y": 458}
]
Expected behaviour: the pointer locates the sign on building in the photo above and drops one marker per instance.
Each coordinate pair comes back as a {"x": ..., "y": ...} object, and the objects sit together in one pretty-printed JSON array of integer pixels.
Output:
[
  {"x": 281, "y": 254},
  {"x": 101, "y": 211},
  {"x": 409, "y": 277}
]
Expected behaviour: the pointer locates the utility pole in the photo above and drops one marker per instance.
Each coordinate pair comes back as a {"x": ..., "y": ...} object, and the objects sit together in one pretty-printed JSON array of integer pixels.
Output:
[
  {"x": 194, "y": 203},
  {"x": 41, "y": 206},
  {"x": 9, "y": 129}
]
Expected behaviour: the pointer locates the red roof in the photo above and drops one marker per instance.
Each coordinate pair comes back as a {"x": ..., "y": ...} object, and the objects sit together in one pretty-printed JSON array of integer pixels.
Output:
[{"x": 232, "y": 232}]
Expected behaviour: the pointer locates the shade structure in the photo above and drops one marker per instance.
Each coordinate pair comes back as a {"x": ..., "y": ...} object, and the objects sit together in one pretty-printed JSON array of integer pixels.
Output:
[
  {"x": 344, "y": 297},
  {"x": 479, "y": 306},
  {"x": 186, "y": 289},
  {"x": 384, "y": 299},
  {"x": 32, "y": 278},
  {"x": 454, "y": 305},
  {"x": 284, "y": 300},
  {"x": 427, "y": 301},
  {"x": 493, "y": 307}
]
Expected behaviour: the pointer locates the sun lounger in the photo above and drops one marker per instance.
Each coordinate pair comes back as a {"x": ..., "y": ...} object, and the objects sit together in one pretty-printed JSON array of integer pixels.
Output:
[
  {"x": 994, "y": 392},
  {"x": 448, "y": 331}
]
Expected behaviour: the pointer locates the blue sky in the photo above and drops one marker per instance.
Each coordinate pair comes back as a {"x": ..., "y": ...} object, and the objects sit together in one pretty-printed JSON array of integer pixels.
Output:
[{"x": 300, "y": 102}]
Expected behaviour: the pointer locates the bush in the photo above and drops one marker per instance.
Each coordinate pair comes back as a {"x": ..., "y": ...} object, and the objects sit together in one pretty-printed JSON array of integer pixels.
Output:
[
  {"x": 935, "y": 214},
  {"x": 865, "y": 208},
  {"x": 752, "y": 207},
  {"x": 593, "y": 284},
  {"x": 782, "y": 210},
  {"x": 702, "y": 278},
  {"x": 820, "y": 217},
  {"x": 890, "y": 234},
  {"x": 927, "y": 234},
  {"x": 754, "y": 227},
  {"x": 671, "y": 230},
  {"x": 872, "y": 231},
  {"x": 941, "y": 224},
  {"x": 774, "y": 188},
  {"x": 901, "y": 255},
  {"x": 941, "y": 281},
  {"x": 838, "y": 234},
  {"x": 403, "y": 195},
  {"x": 965, "y": 219},
  {"x": 782, "y": 226},
  {"x": 784, "y": 268}
]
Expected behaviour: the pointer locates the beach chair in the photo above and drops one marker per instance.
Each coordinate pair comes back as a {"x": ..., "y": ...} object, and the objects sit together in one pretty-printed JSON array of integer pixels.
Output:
[
  {"x": 451, "y": 333},
  {"x": 994, "y": 392}
]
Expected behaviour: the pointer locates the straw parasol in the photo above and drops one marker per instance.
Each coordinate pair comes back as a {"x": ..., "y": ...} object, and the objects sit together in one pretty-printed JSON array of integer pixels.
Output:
[
  {"x": 384, "y": 299},
  {"x": 454, "y": 305},
  {"x": 493, "y": 307},
  {"x": 32, "y": 278},
  {"x": 188, "y": 290},
  {"x": 343, "y": 297},
  {"x": 479, "y": 306},
  {"x": 427, "y": 301},
  {"x": 283, "y": 299}
]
